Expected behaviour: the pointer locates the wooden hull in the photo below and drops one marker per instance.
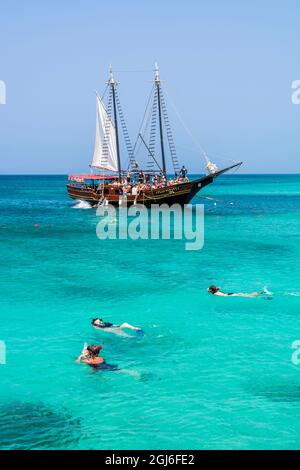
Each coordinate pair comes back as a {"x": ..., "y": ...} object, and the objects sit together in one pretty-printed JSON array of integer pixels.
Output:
[
  {"x": 179, "y": 193},
  {"x": 176, "y": 194}
]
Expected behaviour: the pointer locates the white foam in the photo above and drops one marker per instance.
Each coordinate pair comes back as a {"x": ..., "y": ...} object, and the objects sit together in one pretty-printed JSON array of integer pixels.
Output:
[
  {"x": 82, "y": 205},
  {"x": 294, "y": 294},
  {"x": 266, "y": 291}
]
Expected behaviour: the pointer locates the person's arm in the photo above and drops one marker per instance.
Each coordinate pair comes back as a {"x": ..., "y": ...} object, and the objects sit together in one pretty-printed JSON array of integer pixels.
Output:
[
  {"x": 79, "y": 358},
  {"x": 84, "y": 353},
  {"x": 94, "y": 361}
]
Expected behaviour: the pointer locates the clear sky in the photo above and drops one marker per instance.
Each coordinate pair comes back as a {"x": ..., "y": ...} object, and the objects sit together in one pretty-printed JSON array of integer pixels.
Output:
[{"x": 228, "y": 67}]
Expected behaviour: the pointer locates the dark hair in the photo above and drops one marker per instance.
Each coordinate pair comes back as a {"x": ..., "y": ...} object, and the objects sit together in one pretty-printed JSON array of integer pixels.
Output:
[
  {"x": 97, "y": 349},
  {"x": 94, "y": 349},
  {"x": 213, "y": 289}
]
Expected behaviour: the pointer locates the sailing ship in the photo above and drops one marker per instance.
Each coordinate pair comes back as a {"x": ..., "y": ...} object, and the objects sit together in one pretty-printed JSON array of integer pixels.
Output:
[{"x": 112, "y": 184}]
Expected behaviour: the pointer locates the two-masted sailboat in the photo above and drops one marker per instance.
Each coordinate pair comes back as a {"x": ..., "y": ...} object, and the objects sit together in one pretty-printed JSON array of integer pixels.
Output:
[{"x": 110, "y": 184}]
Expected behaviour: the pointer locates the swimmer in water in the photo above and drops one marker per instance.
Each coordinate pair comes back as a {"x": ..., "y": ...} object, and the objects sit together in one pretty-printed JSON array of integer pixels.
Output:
[
  {"x": 110, "y": 327},
  {"x": 216, "y": 291},
  {"x": 90, "y": 355}
]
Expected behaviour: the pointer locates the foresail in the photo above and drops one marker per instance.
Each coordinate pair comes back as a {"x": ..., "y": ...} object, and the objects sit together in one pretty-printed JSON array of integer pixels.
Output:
[{"x": 105, "y": 153}]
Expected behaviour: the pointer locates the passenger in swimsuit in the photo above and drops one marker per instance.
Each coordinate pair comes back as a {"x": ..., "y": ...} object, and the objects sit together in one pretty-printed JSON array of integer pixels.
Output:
[{"x": 216, "y": 291}]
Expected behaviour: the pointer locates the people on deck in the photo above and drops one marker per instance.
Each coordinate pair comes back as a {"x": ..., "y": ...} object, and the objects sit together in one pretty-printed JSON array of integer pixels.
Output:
[
  {"x": 178, "y": 180},
  {"x": 214, "y": 290},
  {"x": 183, "y": 172},
  {"x": 140, "y": 176}
]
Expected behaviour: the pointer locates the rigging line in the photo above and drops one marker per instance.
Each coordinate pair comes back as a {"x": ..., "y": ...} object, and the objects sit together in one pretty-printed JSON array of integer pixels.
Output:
[
  {"x": 138, "y": 143},
  {"x": 236, "y": 169},
  {"x": 102, "y": 97},
  {"x": 197, "y": 144},
  {"x": 124, "y": 129},
  {"x": 143, "y": 120},
  {"x": 151, "y": 153},
  {"x": 224, "y": 158},
  {"x": 149, "y": 118}
]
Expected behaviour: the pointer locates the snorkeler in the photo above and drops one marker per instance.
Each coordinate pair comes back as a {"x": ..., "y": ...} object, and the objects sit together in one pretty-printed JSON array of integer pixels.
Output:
[
  {"x": 216, "y": 291},
  {"x": 90, "y": 356},
  {"x": 99, "y": 324}
]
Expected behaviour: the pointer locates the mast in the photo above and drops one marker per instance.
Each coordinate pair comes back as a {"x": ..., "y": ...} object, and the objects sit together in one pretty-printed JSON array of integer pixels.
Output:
[
  {"x": 157, "y": 84},
  {"x": 113, "y": 84}
]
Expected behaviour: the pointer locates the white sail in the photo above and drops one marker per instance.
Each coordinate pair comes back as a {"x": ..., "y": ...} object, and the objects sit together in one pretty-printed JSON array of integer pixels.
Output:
[
  {"x": 105, "y": 153},
  {"x": 210, "y": 167}
]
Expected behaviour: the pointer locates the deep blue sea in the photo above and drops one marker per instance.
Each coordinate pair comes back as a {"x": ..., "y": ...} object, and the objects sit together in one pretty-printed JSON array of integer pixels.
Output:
[{"x": 210, "y": 373}]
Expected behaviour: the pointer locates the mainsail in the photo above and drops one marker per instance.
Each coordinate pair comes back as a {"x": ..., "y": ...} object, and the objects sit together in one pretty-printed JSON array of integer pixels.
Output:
[{"x": 105, "y": 153}]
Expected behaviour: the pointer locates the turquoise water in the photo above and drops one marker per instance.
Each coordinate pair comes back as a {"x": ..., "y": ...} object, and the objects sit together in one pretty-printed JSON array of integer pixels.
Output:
[{"x": 210, "y": 373}]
